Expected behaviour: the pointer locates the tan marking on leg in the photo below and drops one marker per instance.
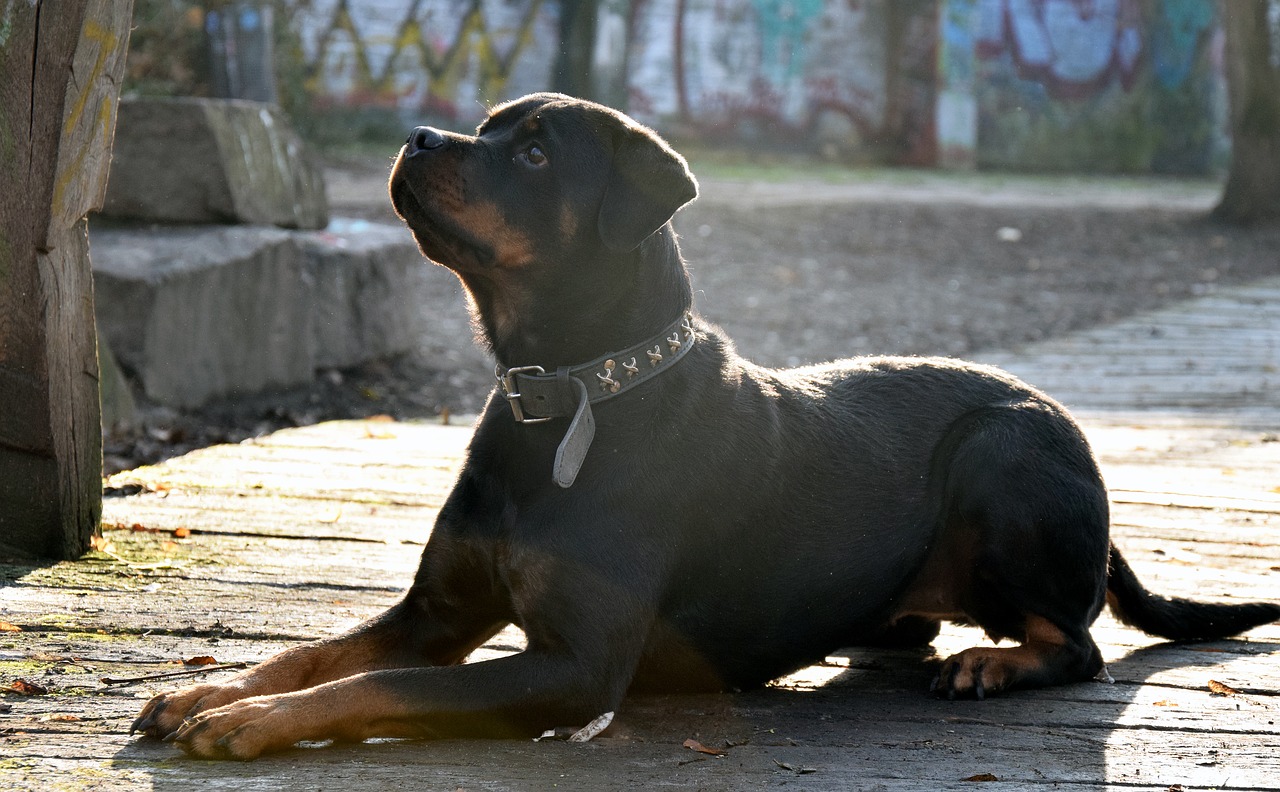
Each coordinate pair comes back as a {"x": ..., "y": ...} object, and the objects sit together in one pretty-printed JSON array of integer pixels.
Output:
[
  {"x": 295, "y": 669},
  {"x": 350, "y": 710},
  {"x": 982, "y": 670}
]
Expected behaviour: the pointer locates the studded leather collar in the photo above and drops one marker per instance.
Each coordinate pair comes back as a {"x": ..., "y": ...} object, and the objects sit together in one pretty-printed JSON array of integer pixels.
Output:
[{"x": 536, "y": 395}]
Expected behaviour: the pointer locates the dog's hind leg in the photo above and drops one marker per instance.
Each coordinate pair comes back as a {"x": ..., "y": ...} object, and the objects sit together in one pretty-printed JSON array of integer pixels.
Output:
[
  {"x": 1023, "y": 548},
  {"x": 1046, "y": 656}
]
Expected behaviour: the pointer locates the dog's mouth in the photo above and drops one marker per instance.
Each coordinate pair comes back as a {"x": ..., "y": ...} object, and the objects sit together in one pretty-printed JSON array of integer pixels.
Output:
[{"x": 440, "y": 237}]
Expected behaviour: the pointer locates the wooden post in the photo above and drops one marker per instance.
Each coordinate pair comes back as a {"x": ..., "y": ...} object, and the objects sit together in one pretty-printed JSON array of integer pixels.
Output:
[{"x": 61, "y": 62}]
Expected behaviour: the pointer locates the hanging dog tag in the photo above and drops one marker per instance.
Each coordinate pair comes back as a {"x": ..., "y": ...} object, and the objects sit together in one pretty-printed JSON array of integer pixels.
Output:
[{"x": 582, "y": 428}]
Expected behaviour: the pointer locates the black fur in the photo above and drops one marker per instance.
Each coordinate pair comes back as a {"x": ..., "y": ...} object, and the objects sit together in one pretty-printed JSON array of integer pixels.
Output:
[{"x": 731, "y": 523}]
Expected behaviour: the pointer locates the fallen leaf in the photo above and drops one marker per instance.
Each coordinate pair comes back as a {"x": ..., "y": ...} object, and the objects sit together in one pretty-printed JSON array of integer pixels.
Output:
[
  {"x": 26, "y": 688},
  {"x": 1165, "y": 703},
  {"x": 202, "y": 660},
  {"x": 7, "y": 627},
  {"x": 981, "y": 777},
  {"x": 168, "y": 547},
  {"x": 694, "y": 745},
  {"x": 101, "y": 543},
  {"x": 1219, "y": 689},
  {"x": 61, "y": 718},
  {"x": 181, "y": 533}
]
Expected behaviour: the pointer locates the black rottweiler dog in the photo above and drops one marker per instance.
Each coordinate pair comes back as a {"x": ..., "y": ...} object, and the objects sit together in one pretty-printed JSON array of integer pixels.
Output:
[{"x": 656, "y": 513}]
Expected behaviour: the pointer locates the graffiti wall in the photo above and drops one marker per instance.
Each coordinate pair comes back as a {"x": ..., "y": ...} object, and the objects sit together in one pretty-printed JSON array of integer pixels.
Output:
[
  {"x": 842, "y": 74},
  {"x": 451, "y": 59},
  {"x": 839, "y": 75},
  {"x": 1104, "y": 85},
  {"x": 1110, "y": 85}
]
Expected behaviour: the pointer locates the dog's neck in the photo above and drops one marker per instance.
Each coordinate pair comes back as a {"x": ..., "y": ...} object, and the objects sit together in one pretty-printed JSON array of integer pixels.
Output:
[{"x": 634, "y": 296}]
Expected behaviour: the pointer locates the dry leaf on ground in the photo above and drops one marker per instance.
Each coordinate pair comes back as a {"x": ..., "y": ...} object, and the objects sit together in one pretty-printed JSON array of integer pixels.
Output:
[
  {"x": 26, "y": 688},
  {"x": 202, "y": 660},
  {"x": 694, "y": 745}
]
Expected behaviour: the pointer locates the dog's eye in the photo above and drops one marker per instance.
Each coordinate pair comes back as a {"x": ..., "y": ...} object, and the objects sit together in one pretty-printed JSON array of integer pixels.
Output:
[{"x": 534, "y": 156}]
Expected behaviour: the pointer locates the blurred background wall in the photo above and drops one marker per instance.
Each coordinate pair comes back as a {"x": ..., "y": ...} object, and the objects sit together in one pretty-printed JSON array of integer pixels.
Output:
[{"x": 1045, "y": 85}]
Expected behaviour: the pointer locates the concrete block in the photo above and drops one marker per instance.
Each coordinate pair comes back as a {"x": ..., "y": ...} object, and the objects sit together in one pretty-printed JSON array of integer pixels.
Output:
[
  {"x": 212, "y": 161},
  {"x": 203, "y": 312},
  {"x": 368, "y": 280},
  {"x": 198, "y": 312},
  {"x": 119, "y": 412}
]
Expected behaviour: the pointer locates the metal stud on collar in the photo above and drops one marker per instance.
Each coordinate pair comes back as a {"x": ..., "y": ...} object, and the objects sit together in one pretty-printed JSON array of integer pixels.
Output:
[{"x": 607, "y": 382}]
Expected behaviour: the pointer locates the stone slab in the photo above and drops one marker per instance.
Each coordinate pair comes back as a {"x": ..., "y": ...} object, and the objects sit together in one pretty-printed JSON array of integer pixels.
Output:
[
  {"x": 216, "y": 161},
  {"x": 204, "y": 312},
  {"x": 368, "y": 279}
]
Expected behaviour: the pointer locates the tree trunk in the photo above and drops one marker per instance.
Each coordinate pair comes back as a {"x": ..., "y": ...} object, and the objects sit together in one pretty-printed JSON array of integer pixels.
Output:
[
  {"x": 577, "y": 44},
  {"x": 60, "y": 69},
  {"x": 1252, "y": 192}
]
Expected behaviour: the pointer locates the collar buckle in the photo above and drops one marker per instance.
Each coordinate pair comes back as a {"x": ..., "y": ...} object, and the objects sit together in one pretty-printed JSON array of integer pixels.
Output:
[{"x": 507, "y": 380}]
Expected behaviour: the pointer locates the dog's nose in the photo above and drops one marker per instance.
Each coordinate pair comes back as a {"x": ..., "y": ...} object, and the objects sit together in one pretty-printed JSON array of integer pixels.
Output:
[{"x": 423, "y": 139}]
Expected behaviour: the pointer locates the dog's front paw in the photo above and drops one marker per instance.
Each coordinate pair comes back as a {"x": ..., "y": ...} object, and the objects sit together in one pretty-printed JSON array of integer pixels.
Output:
[
  {"x": 165, "y": 714},
  {"x": 243, "y": 730}
]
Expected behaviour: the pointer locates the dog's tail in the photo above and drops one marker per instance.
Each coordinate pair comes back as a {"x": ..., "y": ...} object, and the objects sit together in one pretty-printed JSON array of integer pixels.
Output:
[{"x": 1176, "y": 618}]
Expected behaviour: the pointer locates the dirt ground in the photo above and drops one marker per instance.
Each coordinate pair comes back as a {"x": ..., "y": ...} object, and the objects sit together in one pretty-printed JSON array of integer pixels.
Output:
[{"x": 810, "y": 268}]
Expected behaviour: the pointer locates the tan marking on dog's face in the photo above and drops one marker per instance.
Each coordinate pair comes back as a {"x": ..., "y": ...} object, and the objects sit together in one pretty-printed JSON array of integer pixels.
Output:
[
  {"x": 568, "y": 221},
  {"x": 531, "y": 125},
  {"x": 512, "y": 248}
]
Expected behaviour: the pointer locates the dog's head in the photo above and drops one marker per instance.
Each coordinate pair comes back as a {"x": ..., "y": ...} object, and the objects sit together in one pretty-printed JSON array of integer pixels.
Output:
[
  {"x": 545, "y": 179},
  {"x": 552, "y": 215}
]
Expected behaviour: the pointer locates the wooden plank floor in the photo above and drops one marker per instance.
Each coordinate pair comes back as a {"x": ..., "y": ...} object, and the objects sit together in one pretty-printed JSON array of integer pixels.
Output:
[{"x": 239, "y": 551}]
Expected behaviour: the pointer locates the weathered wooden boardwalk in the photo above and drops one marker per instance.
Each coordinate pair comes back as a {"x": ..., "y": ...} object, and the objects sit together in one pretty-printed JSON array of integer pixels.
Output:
[{"x": 235, "y": 552}]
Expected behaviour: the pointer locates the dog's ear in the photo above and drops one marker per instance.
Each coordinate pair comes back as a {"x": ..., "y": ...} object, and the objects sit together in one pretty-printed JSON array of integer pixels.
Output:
[{"x": 647, "y": 183}]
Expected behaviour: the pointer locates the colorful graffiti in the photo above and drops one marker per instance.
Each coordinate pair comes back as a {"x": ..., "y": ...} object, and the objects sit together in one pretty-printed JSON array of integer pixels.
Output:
[
  {"x": 780, "y": 69},
  {"x": 1177, "y": 38},
  {"x": 454, "y": 58},
  {"x": 1072, "y": 47},
  {"x": 1075, "y": 48},
  {"x": 1111, "y": 85}
]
